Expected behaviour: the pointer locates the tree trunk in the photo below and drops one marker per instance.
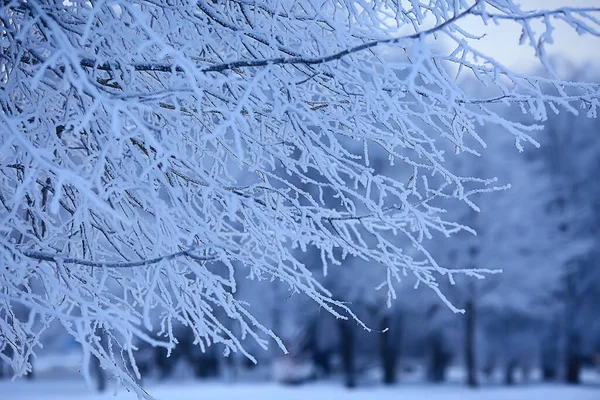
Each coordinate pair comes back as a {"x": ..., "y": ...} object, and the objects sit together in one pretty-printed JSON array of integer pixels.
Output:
[
  {"x": 550, "y": 351},
  {"x": 573, "y": 359},
  {"x": 388, "y": 352},
  {"x": 509, "y": 372},
  {"x": 347, "y": 352},
  {"x": 470, "y": 358},
  {"x": 549, "y": 359},
  {"x": 321, "y": 357},
  {"x": 439, "y": 358},
  {"x": 573, "y": 369},
  {"x": 549, "y": 373}
]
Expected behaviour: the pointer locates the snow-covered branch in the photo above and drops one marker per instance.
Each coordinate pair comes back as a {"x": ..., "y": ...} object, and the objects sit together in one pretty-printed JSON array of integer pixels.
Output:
[
  {"x": 56, "y": 258},
  {"x": 152, "y": 155}
]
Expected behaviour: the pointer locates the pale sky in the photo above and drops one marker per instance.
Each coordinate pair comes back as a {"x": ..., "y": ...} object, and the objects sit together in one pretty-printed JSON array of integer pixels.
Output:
[{"x": 502, "y": 41}]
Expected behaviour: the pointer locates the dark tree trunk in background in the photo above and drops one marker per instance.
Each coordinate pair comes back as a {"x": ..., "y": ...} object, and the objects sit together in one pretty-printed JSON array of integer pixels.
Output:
[
  {"x": 205, "y": 366},
  {"x": 470, "y": 356},
  {"x": 439, "y": 358},
  {"x": 321, "y": 358},
  {"x": 549, "y": 373},
  {"x": 573, "y": 368},
  {"x": 509, "y": 372},
  {"x": 309, "y": 343},
  {"x": 549, "y": 357},
  {"x": 471, "y": 317},
  {"x": 202, "y": 364},
  {"x": 388, "y": 350},
  {"x": 163, "y": 363},
  {"x": 573, "y": 359},
  {"x": 347, "y": 352}
]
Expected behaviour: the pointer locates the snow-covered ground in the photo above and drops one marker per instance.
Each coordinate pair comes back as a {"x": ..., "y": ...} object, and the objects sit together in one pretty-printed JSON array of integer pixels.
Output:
[
  {"x": 74, "y": 390},
  {"x": 57, "y": 378}
]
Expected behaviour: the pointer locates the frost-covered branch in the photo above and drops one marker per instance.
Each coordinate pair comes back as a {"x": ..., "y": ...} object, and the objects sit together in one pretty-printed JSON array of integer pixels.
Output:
[
  {"x": 154, "y": 67},
  {"x": 152, "y": 156},
  {"x": 566, "y": 13},
  {"x": 56, "y": 258}
]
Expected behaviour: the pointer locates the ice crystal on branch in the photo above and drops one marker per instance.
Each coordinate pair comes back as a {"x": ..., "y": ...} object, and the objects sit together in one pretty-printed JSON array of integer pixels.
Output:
[{"x": 153, "y": 149}]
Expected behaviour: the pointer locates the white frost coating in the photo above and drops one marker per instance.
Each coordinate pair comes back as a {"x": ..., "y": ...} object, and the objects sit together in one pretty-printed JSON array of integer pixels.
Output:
[{"x": 150, "y": 150}]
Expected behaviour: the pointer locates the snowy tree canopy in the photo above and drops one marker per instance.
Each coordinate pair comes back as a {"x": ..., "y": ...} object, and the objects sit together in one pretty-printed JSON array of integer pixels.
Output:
[{"x": 151, "y": 148}]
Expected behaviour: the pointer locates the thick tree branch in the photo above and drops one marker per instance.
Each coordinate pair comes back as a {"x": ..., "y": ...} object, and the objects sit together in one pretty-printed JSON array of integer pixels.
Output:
[
  {"x": 170, "y": 68},
  {"x": 167, "y": 67},
  {"x": 41, "y": 256}
]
